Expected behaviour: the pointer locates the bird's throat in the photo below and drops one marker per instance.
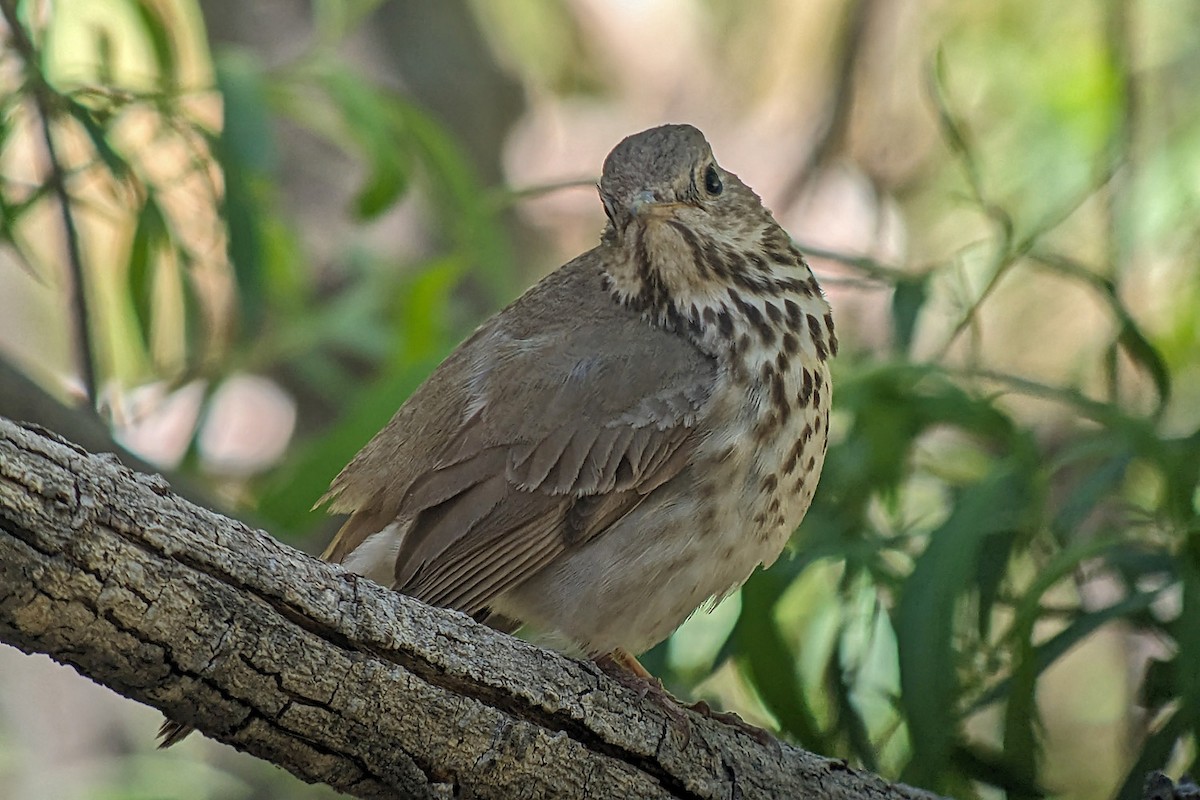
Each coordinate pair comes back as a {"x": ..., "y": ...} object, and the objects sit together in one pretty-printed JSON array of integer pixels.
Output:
[{"x": 750, "y": 295}]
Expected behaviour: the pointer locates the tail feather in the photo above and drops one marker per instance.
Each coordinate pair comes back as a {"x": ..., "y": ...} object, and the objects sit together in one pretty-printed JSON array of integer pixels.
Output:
[{"x": 172, "y": 732}]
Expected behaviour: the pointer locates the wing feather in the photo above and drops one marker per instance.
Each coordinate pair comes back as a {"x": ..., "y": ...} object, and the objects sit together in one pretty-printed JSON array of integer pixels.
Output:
[{"x": 525, "y": 443}]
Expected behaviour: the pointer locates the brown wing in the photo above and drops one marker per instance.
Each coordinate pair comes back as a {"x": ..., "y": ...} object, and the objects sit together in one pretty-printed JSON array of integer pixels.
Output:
[{"x": 538, "y": 434}]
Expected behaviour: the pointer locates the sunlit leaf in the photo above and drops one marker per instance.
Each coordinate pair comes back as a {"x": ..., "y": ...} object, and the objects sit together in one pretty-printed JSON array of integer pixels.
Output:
[
  {"x": 162, "y": 44},
  {"x": 422, "y": 320},
  {"x": 99, "y": 137},
  {"x": 849, "y": 717}
]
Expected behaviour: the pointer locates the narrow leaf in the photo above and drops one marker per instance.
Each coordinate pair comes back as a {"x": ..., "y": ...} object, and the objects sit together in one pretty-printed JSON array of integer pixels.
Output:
[
  {"x": 766, "y": 661},
  {"x": 245, "y": 149},
  {"x": 380, "y": 136},
  {"x": 907, "y": 300},
  {"x": 162, "y": 44},
  {"x": 925, "y": 616},
  {"x": 144, "y": 261},
  {"x": 1144, "y": 354}
]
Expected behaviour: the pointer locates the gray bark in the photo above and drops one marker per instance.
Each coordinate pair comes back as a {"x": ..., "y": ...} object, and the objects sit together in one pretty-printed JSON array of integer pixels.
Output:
[{"x": 327, "y": 674}]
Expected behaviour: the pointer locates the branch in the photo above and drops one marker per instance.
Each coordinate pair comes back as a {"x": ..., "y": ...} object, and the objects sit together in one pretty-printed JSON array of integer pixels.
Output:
[
  {"x": 327, "y": 674},
  {"x": 839, "y": 101}
]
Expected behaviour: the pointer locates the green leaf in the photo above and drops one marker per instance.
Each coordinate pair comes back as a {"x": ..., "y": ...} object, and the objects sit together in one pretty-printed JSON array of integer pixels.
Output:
[
  {"x": 246, "y": 152},
  {"x": 1180, "y": 466},
  {"x": 993, "y": 566},
  {"x": 1135, "y": 562},
  {"x": 1182, "y": 676},
  {"x": 907, "y": 300},
  {"x": 144, "y": 261},
  {"x": 892, "y": 405},
  {"x": 1021, "y": 715},
  {"x": 380, "y": 138},
  {"x": 1138, "y": 348},
  {"x": 334, "y": 20},
  {"x": 925, "y": 616},
  {"x": 1081, "y": 628},
  {"x": 766, "y": 661},
  {"x": 983, "y": 764},
  {"x": 462, "y": 204},
  {"x": 157, "y": 30},
  {"x": 195, "y": 320},
  {"x": 421, "y": 321},
  {"x": 1096, "y": 485},
  {"x": 246, "y": 134}
]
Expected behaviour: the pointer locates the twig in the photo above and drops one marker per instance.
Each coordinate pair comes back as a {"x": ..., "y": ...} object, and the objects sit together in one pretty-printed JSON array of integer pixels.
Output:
[
  {"x": 503, "y": 197},
  {"x": 840, "y": 102},
  {"x": 43, "y": 97},
  {"x": 1082, "y": 404},
  {"x": 870, "y": 267},
  {"x": 1009, "y": 249}
]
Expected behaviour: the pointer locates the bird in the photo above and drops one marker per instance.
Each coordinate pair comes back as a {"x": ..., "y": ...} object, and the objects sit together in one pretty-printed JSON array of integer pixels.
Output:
[{"x": 626, "y": 441}]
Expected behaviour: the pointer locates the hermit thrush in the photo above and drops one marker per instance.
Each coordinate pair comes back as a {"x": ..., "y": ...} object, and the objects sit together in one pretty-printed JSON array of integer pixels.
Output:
[{"x": 631, "y": 437}]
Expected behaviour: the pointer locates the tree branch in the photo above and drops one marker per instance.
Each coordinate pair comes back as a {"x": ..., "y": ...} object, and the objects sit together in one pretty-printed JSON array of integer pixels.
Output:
[{"x": 327, "y": 674}]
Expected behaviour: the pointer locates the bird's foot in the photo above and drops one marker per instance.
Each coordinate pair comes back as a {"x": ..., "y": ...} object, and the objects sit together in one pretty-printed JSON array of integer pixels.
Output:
[
  {"x": 760, "y": 735},
  {"x": 629, "y": 672},
  {"x": 626, "y": 670}
]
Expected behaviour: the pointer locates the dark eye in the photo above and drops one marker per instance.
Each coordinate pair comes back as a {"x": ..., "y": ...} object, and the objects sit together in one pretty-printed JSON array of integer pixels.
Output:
[{"x": 712, "y": 181}]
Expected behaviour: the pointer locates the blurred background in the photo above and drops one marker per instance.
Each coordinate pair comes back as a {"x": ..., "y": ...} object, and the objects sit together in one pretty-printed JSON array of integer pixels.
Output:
[{"x": 234, "y": 236}]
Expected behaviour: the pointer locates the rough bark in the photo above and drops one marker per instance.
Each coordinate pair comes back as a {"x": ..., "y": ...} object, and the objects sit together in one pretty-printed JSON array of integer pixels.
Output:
[{"x": 327, "y": 674}]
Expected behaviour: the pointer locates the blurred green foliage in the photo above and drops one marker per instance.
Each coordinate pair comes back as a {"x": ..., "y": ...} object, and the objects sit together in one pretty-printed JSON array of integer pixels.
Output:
[{"x": 942, "y": 568}]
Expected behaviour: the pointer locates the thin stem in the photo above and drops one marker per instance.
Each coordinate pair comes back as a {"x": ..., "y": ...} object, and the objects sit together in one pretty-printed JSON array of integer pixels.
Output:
[
  {"x": 503, "y": 197},
  {"x": 44, "y": 99},
  {"x": 870, "y": 267},
  {"x": 1118, "y": 39},
  {"x": 840, "y": 99}
]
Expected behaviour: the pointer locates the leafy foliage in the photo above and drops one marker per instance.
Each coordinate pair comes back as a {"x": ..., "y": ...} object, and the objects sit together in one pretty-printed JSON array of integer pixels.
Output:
[{"x": 946, "y": 563}]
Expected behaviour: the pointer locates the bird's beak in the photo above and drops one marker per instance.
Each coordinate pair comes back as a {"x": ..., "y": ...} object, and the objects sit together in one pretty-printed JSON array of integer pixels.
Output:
[{"x": 645, "y": 205}]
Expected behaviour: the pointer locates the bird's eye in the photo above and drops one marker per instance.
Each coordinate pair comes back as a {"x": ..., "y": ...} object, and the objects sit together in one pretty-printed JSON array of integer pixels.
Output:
[{"x": 712, "y": 181}]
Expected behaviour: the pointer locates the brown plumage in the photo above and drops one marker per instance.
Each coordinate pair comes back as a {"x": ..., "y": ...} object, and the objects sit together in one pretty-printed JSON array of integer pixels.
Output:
[
  {"x": 628, "y": 439},
  {"x": 625, "y": 440}
]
